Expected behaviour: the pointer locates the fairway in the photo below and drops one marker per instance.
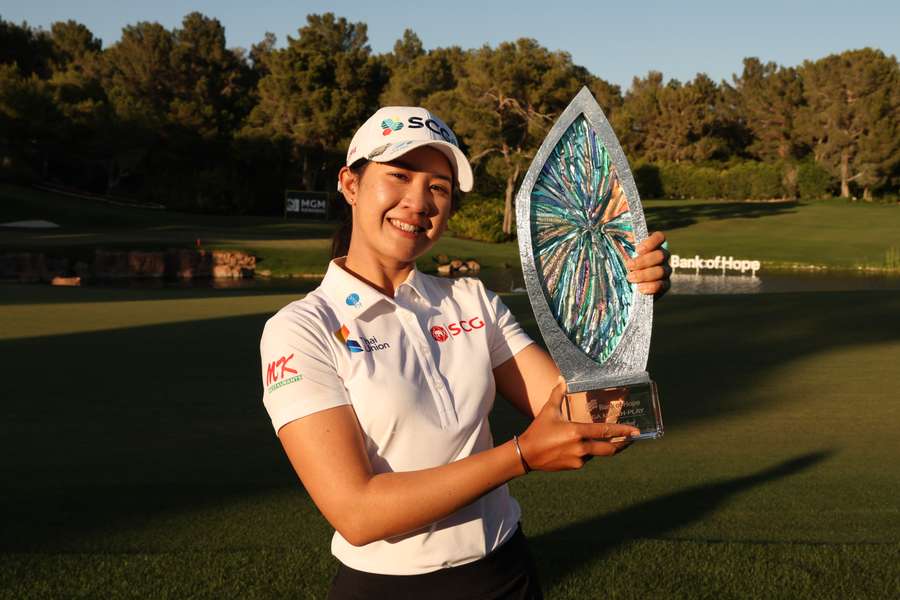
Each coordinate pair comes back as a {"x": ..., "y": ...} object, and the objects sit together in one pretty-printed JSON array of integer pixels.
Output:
[
  {"x": 138, "y": 460},
  {"x": 834, "y": 234}
]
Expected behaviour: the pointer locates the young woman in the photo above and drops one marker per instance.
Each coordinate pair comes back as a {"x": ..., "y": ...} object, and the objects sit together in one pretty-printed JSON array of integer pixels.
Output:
[{"x": 379, "y": 384}]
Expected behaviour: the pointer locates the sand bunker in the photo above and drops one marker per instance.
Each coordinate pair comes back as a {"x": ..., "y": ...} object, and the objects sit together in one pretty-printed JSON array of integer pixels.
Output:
[{"x": 34, "y": 224}]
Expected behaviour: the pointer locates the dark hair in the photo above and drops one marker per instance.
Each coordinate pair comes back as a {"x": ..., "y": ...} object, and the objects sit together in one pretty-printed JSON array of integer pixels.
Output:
[{"x": 340, "y": 241}]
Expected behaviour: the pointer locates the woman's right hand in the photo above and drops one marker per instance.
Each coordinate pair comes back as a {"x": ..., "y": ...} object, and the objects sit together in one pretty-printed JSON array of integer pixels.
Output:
[{"x": 552, "y": 443}]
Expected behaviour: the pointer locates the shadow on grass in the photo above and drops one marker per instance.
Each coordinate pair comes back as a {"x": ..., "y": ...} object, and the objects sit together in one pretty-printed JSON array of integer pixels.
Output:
[
  {"x": 667, "y": 218},
  {"x": 566, "y": 550},
  {"x": 109, "y": 429},
  {"x": 707, "y": 351},
  {"x": 118, "y": 426},
  {"x": 40, "y": 293}
]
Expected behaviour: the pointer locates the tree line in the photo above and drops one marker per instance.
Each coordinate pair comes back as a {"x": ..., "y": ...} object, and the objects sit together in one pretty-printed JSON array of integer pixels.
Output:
[{"x": 176, "y": 117}]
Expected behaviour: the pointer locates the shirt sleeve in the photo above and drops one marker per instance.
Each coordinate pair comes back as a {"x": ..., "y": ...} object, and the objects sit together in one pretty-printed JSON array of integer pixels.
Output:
[
  {"x": 506, "y": 337},
  {"x": 299, "y": 374}
]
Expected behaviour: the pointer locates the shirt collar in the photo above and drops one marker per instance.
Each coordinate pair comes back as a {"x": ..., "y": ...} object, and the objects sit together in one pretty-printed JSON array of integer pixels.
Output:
[{"x": 355, "y": 296}]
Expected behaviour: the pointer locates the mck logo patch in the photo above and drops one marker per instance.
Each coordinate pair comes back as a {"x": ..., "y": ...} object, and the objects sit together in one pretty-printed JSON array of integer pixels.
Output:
[{"x": 277, "y": 374}]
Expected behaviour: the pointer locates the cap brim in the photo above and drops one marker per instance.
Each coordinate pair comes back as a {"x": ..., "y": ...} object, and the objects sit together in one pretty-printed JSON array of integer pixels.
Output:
[{"x": 458, "y": 161}]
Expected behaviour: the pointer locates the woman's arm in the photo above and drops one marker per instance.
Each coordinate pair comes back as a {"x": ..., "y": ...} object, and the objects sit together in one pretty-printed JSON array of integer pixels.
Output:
[
  {"x": 328, "y": 453},
  {"x": 526, "y": 379}
]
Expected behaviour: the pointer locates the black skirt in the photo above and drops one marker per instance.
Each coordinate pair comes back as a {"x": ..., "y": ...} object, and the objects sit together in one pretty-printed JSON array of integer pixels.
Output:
[{"x": 507, "y": 573}]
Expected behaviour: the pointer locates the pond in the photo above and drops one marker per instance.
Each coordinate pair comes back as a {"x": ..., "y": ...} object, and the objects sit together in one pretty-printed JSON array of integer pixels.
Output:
[{"x": 511, "y": 280}]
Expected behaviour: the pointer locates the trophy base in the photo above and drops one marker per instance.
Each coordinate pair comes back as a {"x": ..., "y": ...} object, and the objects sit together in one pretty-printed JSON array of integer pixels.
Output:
[{"x": 634, "y": 404}]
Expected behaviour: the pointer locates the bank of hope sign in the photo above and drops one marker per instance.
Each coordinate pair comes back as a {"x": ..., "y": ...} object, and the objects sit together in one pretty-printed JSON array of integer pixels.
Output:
[{"x": 718, "y": 263}]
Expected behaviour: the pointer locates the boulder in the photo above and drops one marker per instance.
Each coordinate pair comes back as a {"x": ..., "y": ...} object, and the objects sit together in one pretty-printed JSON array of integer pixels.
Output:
[
  {"x": 146, "y": 264},
  {"x": 66, "y": 281}
]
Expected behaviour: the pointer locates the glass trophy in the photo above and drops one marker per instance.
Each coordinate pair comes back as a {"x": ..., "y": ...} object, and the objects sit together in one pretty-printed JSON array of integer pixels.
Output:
[{"x": 579, "y": 217}]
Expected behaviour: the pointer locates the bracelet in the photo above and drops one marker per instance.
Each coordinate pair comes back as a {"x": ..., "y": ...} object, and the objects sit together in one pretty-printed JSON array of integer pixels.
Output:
[{"x": 521, "y": 456}]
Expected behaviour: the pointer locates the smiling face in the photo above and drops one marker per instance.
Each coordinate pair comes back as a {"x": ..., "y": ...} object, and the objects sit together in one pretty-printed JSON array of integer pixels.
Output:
[{"x": 400, "y": 208}]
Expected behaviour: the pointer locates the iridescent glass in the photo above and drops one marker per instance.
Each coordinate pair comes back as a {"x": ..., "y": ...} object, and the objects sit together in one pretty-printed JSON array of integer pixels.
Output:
[{"x": 579, "y": 219}]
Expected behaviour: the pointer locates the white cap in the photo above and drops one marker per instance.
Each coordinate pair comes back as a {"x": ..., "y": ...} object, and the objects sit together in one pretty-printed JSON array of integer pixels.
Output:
[{"x": 395, "y": 130}]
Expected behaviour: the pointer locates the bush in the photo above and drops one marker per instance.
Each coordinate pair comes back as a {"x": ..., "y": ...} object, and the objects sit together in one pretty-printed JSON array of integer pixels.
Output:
[
  {"x": 647, "y": 179},
  {"x": 685, "y": 180},
  {"x": 754, "y": 180},
  {"x": 813, "y": 181},
  {"x": 479, "y": 218}
]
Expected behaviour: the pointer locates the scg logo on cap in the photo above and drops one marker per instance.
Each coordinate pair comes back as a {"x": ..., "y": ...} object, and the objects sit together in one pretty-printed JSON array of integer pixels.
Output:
[{"x": 433, "y": 126}]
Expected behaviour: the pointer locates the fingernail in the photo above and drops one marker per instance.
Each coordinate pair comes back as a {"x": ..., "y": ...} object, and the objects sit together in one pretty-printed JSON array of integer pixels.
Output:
[
  {"x": 635, "y": 433},
  {"x": 631, "y": 277}
]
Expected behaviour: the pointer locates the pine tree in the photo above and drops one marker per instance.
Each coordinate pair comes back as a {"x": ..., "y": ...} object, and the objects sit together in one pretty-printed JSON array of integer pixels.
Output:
[
  {"x": 768, "y": 97},
  {"x": 851, "y": 117},
  {"x": 506, "y": 100},
  {"x": 318, "y": 90}
]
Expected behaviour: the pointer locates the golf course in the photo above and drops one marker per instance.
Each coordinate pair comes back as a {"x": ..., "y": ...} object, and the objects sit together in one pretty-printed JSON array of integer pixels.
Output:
[{"x": 138, "y": 460}]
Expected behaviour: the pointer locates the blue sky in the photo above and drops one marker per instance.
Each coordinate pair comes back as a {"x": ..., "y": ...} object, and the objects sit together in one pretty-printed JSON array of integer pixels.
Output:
[{"x": 615, "y": 40}]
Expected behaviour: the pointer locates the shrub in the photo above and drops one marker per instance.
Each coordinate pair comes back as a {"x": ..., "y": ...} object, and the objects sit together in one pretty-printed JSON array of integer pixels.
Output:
[
  {"x": 647, "y": 179},
  {"x": 684, "y": 180},
  {"x": 813, "y": 181},
  {"x": 759, "y": 181},
  {"x": 479, "y": 218}
]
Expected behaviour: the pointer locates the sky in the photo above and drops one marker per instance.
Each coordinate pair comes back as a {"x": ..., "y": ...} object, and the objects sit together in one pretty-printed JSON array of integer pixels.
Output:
[{"x": 614, "y": 40}]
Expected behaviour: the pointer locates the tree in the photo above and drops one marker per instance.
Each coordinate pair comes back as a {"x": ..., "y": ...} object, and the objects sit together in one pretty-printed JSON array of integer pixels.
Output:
[
  {"x": 29, "y": 49},
  {"x": 406, "y": 50},
  {"x": 505, "y": 102},
  {"x": 414, "y": 79},
  {"x": 259, "y": 55},
  {"x": 768, "y": 98},
  {"x": 209, "y": 86},
  {"x": 138, "y": 74},
  {"x": 74, "y": 46},
  {"x": 677, "y": 122},
  {"x": 28, "y": 119},
  {"x": 852, "y": 117},
  {"x": 318, "y": 90}
]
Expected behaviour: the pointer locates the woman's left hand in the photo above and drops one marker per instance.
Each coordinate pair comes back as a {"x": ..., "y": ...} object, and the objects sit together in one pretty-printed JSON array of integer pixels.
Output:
[{"x": 650, "y": 268}]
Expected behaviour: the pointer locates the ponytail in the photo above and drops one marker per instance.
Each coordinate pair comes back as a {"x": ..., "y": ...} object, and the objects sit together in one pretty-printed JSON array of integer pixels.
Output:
[{"x": 340, "y": 240}]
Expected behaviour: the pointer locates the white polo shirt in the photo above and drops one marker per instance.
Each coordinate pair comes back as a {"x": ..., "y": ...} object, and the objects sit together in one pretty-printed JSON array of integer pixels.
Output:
[{"x": 417, "y": 369}]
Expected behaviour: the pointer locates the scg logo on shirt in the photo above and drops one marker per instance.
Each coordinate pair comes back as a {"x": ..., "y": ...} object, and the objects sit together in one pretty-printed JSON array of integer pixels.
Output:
[{"x": 442, "y": 334}]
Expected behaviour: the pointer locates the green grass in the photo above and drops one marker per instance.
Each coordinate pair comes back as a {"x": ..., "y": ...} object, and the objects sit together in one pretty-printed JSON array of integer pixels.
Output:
[
  {"x": 137, "y": 458},
  {"x": 833, "y": 234}
]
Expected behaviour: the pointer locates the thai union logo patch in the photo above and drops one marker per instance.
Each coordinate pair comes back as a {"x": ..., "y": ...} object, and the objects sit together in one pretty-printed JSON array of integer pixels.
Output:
[{"x": 368, "y": 344}]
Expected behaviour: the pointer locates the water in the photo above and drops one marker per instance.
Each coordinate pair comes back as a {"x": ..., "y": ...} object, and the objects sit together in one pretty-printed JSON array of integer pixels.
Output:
[
  {"x": 511, "y": 281},
  {"x": 692, "y": 284}
]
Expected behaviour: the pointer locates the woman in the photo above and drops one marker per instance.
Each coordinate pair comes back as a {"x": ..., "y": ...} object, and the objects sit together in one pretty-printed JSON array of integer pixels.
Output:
[{"x": 379, "y": 384}]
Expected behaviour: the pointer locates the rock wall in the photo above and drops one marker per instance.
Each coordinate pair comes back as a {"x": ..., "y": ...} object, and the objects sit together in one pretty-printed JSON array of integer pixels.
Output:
[{"x": 111, "y": 265}]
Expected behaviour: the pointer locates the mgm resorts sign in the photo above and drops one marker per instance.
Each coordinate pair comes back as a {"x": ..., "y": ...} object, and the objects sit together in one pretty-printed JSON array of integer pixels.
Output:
[{"x": 307, "y": 205}]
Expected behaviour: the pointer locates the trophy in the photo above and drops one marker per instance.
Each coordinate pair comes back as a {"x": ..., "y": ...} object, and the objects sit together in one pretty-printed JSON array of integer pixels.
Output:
[{"x": 579, "y": 218}]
